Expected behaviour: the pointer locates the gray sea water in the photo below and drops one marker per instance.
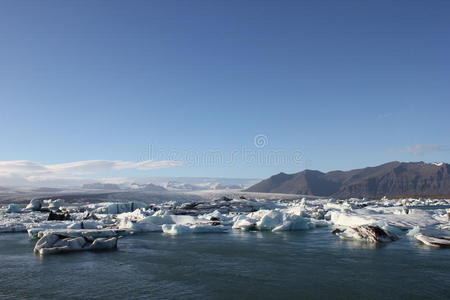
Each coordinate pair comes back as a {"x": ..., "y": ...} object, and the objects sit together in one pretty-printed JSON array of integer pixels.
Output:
[{"x": 294, "y": 265}]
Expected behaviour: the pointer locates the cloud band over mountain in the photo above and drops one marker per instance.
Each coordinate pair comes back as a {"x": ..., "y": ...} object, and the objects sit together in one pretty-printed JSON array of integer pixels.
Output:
[{"x": 21, "y": 171}]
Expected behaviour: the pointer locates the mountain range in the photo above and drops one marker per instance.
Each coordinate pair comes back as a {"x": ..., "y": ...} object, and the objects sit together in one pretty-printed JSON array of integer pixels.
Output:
[{"x": 393, "y": 179}]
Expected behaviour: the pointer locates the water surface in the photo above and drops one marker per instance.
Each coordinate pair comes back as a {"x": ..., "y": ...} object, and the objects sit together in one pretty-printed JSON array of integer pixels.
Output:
[{"x": 310, "y": 264}]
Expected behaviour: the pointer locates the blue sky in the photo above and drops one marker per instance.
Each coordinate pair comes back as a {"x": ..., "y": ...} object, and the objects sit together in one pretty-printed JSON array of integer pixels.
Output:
[{"x": 345, "y": 83}]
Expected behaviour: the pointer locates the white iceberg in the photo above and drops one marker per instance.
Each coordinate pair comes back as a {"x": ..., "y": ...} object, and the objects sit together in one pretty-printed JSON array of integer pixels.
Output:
[
  {"x": 139, "y": 226},
  {"x": 174, "y": 229},
  {"x": 434, "y": 241},
  {"x": 368, "y": 216},
  {"x": 413, "y": 232},
  {"x": 244, "y": 223},
  {"x": 12, "y": 227},
  {"x": 276, "y": 220},
  {"x": 34, "y": 205},
  {"x": 34, "y": 228},
  {"x": 56, "y": 204}
]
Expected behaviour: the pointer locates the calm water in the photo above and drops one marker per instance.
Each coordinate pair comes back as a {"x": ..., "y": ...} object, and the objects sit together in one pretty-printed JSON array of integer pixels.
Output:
[{"x": 311, "y": 264}]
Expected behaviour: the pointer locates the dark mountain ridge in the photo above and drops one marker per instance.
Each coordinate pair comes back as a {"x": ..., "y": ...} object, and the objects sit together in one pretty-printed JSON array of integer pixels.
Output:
[{"x": 393, "y": 179}]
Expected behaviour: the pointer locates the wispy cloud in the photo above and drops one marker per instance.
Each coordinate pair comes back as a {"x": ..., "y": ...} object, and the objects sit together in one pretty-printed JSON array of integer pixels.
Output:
[
  {"x": 29, "y": 171},
  {"x": 422, "y": 149},
  {"x": 98, "y": 166},
  {"x": 385, "y": 115}
]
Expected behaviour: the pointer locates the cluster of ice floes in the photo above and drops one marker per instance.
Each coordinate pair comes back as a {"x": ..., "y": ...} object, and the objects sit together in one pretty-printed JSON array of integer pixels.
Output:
[
  {"x": 388, "y": 220},
  {"x": 276, "y": 220},
  {"x": 62, "y": 227}
]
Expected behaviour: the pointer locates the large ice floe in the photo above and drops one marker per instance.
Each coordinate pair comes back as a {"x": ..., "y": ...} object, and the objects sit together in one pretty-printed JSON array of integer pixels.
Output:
[
  {"x": 434, "y": 241},
  {"x": 276, "y": 220},
  {"x": 369, "y": 233},
  {"x": 64, "y": 227},
  {"x": 194, "y": 228},
  {"x": 56, "y": 243}
]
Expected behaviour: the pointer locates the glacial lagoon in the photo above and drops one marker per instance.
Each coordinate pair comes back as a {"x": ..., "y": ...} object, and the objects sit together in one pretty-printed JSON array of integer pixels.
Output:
[{"x": 311, "y": 264}]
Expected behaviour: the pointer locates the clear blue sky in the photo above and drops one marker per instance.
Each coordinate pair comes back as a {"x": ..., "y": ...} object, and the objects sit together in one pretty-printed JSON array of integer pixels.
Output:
[{"x": 347, "y": 83}]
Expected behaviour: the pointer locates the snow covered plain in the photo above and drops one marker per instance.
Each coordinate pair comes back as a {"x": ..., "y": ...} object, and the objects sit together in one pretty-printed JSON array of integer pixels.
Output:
[{"x": 63, "y": 227}]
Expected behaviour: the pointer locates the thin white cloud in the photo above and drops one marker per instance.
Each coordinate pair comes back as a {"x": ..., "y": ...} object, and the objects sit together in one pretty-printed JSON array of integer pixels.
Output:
[
  {"x": 21, "y": 167},
  {"x": 98, "y": 166},
  {"x": 385, "y": 115},
  {"x": 22, "y": 171},
  {"x": 422, "y": 149}
]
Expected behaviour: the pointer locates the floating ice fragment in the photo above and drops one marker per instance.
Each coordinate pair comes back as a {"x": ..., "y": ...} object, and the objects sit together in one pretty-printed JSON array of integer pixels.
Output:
[
  {"x": 118, "y": 208},
  {"x": 34, "y": 205},
  {"x": 13, "y": 208},
  {"x": 56, "y": 204},
  {"x": 197, "y": 228},
  {"x": 413, "y": 232},
  {"x": 434, "y": 241},
  {"x": 56, "y": 244},
  {"x": 369, "y": 233}
]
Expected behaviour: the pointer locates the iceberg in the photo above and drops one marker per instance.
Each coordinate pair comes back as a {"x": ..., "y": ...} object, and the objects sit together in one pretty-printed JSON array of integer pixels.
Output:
[
  {"x": 276, "y": 220},
  {"x": 95, "y": 233},
  {"x": 350, "y": 219},
  {"x": 174, "y": 229},
  {"x": 56, "y": 204},
  {"x": 434, "y": 241},
  {"x": 86, "y": 224},
  {"x": 13, "y": 208},
  {"x": 139, "y": 226},
  {"x": 118, "y": 208},
  {"x": 57, "y": 244},
  {"x": 270, "y": 221},
  {"x": 34, "y": 205},
  {"x": 392, "y": 216},
  {"x": 360, "y": 219},
  {"x": 244, "y": 223},
  {"x": 34, "y": 229},
  {"x": 413, "y": 232},
  {"x": 369, "y": 233},
  {"x": 12, "y": 227}
]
